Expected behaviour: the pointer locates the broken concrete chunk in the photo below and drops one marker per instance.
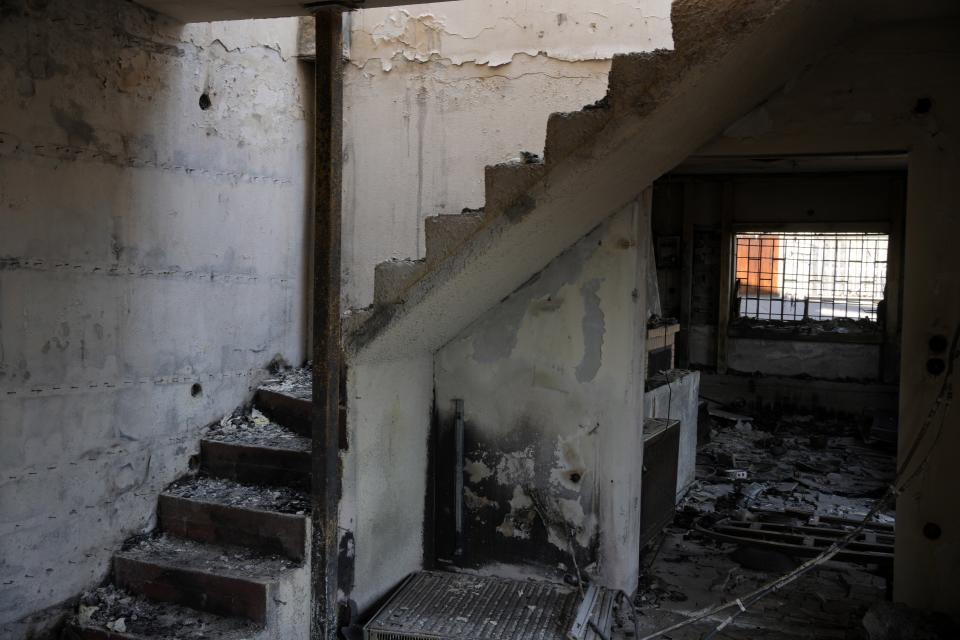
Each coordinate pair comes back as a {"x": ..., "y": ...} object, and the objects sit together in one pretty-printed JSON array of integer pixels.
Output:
[{"x": 119, "y": 625}]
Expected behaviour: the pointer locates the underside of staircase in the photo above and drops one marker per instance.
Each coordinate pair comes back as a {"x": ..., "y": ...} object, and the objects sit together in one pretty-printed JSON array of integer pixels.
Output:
[
  {"x": 660, "y": 107},
  {"x": 229, "y": 558}
]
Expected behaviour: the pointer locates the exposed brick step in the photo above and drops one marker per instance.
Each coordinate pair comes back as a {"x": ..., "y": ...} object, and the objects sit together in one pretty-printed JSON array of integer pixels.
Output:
[
  {"x": 271, "y": 520},
  {"x": 288, "y": 401},
  {"x": 291, "y": 411},
  {"x": 226, "y": 581},
  {"x": 109, "y": 608},
  {"x": 271, "y": 457}
]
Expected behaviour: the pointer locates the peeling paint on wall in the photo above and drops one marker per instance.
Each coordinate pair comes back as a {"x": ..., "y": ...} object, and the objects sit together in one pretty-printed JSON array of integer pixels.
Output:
[
  {"x": 433, "y": 93},
  {"x": 493, "y": 32}
]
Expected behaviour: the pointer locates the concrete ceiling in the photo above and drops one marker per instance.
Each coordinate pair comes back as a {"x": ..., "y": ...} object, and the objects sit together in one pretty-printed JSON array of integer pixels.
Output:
[{"x": 211, "y": 10}]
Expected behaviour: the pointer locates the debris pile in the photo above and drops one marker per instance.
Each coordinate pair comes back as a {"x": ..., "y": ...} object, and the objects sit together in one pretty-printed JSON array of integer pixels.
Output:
[
  {"x": 798, "y": 463},
  {"x": 227, "y": 492},
  {"x": 771, "y": 475},
  {"x": 208, "y": 558},
  {"x": 296, "y": 383},
  {"x": 256, "y": 430},
  {"x": 120, "y": 612},
  {"x": 811, "y": 327}
]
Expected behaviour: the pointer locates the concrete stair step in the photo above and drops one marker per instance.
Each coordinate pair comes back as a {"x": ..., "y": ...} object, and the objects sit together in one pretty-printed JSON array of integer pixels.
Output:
[
  {"x": 257, "y": 454},
  {"x": 287, "y": 409},
  {"x": 392, "y": 277},
  {"x": 226, "y": 581},
  {"x": 445, "y": 233},
  {"x": 506, "y": 186},
  {"x": 103, "y": 610},
  {"x": 271, "y": 520},
  {"x": 567, "y": 132}
]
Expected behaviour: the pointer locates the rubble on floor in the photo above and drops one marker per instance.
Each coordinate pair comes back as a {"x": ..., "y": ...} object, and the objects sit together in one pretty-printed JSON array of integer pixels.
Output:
[
  {"x": 227, "y": 492},
  {"x": 814, "y": 470},
  {"x": 255, "y": 429},
  {"x": 214, "y": 559},
  {"x": 296, "y": 383},
  {"x": 811, "y": 327},
  {"x": 118, "y": 611},
  {"x": 798, "y": 463}
]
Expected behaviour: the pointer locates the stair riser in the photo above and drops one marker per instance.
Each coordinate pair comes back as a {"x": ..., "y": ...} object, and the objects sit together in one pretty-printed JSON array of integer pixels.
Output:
[
  {"x": 273, "y": 533},
  {"x": 445, "y": 234},
  {"x": 391, "y": 278},
  {"x": 205, "y": 592},
  {"x": 256, "y": 465},
  {"x": 506, "y": 187},
  {"x": 567, "y": 132},
  {"x": 292, "y": 413}
]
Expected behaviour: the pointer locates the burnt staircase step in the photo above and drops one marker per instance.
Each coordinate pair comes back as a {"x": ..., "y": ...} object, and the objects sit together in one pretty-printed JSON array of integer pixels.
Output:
[
  {"x": 292, "y": 412},
  {"x": 287, "y": 400},
  {"x": 217, "y": 510},
  {"x": 109, "y": 613},
  {"x": 227, "y": 581},
  {"x": 255, "y": 451}
]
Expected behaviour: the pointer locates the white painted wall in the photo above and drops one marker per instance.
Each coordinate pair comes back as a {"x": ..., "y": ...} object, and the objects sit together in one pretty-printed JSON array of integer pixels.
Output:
[
  {"x": 145, "y": 245},
  {"x": 384, "y": 472},
  {"x": 436, "y": 92},
  {"x": 552, "y": 389}
]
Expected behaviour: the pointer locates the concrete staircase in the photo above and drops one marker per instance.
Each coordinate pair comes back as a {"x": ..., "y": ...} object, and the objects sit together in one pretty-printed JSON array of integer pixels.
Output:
[
  {"x": 230, "y": 557},
  {"x": 659, "y": 109}
]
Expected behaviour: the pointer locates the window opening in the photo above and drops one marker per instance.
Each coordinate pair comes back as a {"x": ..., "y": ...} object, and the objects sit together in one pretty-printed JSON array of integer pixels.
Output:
[{"x": 797, "y": 276}]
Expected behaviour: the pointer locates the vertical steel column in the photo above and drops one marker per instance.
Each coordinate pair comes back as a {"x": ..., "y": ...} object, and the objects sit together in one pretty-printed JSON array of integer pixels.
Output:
[
  {"x": 458, "y": 477},
  {"x": 328, "y": 167}
]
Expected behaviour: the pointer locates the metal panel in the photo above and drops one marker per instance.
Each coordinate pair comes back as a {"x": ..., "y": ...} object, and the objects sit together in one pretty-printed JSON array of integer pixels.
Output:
[
  {"x": 661, "y": 448},
  {"x": 454, "y": 606}
]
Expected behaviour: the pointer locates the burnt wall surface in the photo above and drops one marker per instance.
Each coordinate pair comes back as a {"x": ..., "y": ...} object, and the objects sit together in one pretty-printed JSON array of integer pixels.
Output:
[
  {"x": 766, "y": 200},
  {"x": 553, "y": 411},
  {"x": 153, "y": 208}
]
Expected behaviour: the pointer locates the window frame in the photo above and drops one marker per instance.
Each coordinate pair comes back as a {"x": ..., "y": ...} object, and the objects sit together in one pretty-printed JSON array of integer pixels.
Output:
[{"x": 740, "y": 227}]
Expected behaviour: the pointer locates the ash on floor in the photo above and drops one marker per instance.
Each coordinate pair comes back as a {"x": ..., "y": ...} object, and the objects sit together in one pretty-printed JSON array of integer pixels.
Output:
[
  {"x": 233, "y": 494},
  {"x": 798, "y": 464},
  {"x": 215, "y": 559},
  {"x": 255, "y": 430},
  {"x": 296, "y": 383},
  {"x": 119, "y": 612}
]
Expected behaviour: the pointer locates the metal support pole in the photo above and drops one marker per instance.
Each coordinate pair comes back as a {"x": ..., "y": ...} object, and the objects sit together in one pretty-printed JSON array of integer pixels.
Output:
[
  {"x": 328, "y": 167},
  {"x": 458, "y": 476}
]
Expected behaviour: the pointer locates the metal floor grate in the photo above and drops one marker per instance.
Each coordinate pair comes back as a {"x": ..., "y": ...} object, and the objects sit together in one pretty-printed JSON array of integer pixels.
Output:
[{"x": 452, "y": 606}]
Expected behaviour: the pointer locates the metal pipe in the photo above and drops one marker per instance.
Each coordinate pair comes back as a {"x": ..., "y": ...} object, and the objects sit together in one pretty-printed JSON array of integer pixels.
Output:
[
  {"x": 328, "y": 167},
  {"x": 458, "y": 476}
]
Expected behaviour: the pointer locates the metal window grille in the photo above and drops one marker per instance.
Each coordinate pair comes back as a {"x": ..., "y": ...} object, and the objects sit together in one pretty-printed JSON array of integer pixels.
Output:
[{"x": 809, "y": 275}]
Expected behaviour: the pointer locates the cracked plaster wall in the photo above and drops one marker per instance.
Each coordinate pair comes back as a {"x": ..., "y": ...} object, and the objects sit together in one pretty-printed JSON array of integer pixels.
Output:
[
  {"x": 436, "y": 92},
  {"x": 146, "y": 245}
]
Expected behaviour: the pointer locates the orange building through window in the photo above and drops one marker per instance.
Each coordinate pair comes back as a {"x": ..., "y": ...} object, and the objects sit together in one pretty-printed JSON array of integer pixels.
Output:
[{"x": 758, "y": 264}]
